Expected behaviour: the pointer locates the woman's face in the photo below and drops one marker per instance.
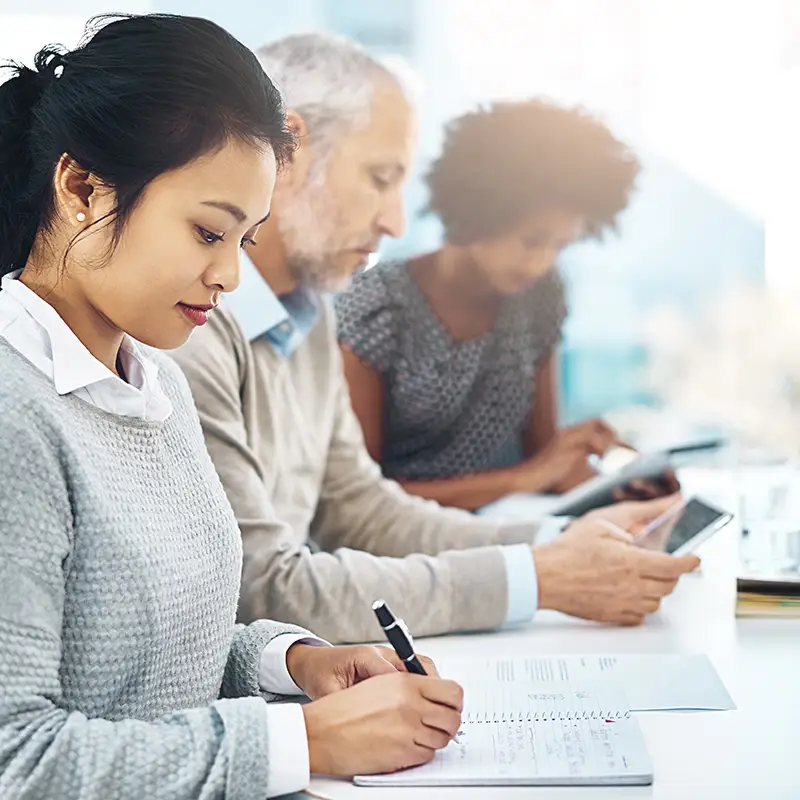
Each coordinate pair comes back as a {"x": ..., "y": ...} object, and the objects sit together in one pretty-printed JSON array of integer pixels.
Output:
[
  {"x": 180, "y": 247},
  {"x": 512, "y": 261}
]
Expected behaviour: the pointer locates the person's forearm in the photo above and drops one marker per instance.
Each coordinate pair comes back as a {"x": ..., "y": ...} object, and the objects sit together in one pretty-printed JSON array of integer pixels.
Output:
[
  {"x": 471, "y": 492},
  {"x": 242, "y": 677},
  {"x": 50, "y": 752},
  {"x": 332, "y": 593}
]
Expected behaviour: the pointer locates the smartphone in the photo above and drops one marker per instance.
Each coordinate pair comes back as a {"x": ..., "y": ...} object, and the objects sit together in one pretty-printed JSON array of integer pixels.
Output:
[{"x": 683, "y": 527}]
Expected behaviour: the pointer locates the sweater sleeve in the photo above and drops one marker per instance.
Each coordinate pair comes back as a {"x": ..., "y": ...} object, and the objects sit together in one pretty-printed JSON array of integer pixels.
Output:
[
  {"x": 50, "y": 751},
  {"x": 547, "y": 312},
  {"x": 244, "y": 660}
]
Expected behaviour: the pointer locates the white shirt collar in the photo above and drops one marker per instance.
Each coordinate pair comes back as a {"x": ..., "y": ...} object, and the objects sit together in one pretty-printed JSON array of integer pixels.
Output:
[{"x": 72, "y": 368}]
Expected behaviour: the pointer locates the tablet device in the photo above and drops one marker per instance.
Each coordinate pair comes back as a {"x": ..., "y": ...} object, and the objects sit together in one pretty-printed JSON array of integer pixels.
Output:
[
  {"x": 683, "y": 527},
  {"x": 600, "y": 491}
]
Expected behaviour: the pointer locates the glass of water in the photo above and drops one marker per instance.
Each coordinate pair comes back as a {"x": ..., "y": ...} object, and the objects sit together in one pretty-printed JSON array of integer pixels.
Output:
[{"x": 769, "y": 513}]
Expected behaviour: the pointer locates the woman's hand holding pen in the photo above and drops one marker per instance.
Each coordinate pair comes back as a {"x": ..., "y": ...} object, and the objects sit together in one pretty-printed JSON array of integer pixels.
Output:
[
  {"x": 391, "y": 722},
  {"x": 359, "y": 726},
  {"x": 395, "y": 720},
  {"x": 320, "y": 671}
]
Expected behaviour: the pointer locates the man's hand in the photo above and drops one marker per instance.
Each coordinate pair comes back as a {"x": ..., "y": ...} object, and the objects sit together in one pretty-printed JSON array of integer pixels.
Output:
[
  {"x": 382, "y": 725},
  {"x": 631, "y": 516},
  {"x": 595, "y": 571},
  {"x": 319, "y": 671}
]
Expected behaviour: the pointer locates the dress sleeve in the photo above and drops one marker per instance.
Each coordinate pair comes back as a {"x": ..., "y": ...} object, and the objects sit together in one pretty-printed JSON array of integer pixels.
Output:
[
  {"x": 548, "y": 314},
  {"x": 367, "y": 320}
]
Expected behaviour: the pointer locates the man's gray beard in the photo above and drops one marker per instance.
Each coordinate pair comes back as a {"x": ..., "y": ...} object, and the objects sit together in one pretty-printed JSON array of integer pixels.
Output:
[
  {"x": 312, "y": 273},
  {"x": 307, "y": 228}
]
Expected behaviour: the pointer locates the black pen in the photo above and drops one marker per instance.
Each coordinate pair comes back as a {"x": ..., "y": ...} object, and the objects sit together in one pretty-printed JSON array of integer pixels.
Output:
[
  {"x": 398, "y": 636},
  {"x": 696, "y": 447}
]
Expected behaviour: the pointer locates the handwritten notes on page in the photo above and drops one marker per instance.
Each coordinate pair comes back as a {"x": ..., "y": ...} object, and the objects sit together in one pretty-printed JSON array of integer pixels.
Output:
[{"x": 530, "y": 733}]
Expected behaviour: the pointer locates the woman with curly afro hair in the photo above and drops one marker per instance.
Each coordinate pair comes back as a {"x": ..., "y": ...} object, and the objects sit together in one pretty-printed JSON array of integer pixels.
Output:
[{"x": 450, "y": 356}]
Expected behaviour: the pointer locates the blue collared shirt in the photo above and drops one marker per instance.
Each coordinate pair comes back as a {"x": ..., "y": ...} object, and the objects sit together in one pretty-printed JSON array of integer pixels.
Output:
[
  {"x": 521, "y": 577},
  {"x": 286, "y": 322}
]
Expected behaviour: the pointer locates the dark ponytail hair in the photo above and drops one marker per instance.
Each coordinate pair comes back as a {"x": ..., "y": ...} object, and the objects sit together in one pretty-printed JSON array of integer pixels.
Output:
[{"x": 142, "y": 95}]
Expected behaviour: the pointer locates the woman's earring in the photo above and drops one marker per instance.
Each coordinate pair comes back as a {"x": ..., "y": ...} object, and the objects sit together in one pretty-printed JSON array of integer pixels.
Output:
[{"x": 81, "y": 216}]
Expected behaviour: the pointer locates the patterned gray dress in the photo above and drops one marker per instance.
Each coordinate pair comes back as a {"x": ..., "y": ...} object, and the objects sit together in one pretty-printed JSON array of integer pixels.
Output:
[{"x": 452, "y": 407}]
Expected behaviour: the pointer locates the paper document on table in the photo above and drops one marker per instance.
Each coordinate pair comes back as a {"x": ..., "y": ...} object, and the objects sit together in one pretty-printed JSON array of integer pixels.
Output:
[
  {"x": 536, "y": 734},
  {"x": 669, "y": 682},
  {"x": 502, "y": 701}
]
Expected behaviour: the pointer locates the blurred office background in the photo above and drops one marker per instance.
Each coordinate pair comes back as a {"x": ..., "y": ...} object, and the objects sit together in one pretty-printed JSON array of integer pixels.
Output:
[{"x": 692, "y": 84}]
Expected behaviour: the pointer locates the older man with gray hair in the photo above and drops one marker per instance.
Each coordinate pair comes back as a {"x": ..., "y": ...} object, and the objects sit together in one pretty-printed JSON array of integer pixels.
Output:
[
  {"x": 342, "y": 192},
  {"x": 323, "y": 533}
]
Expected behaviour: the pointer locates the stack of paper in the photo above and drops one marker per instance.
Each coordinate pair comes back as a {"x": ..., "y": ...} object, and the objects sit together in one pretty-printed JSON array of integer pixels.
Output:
[{"x": 768, "y": 596}]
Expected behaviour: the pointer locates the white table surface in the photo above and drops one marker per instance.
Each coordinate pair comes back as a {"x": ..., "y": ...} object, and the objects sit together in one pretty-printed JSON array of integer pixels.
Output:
[{"x": 752, "y": 753}]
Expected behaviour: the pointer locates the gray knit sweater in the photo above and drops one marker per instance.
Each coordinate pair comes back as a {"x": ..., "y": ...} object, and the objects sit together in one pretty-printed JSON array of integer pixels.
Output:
[{"x": 120, "y": 564}]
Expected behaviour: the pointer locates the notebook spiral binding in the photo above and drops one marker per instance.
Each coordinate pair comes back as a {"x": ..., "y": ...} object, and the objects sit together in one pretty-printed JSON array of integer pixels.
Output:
[{"x": 499, "y": 718}]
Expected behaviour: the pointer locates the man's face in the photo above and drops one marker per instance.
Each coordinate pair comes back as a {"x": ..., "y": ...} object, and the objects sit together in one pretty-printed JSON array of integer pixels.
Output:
[{"x": 334, "y": 221}]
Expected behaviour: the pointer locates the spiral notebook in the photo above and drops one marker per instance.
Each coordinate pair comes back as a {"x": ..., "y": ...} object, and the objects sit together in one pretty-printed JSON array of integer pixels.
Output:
[{"x": 533, "y": 734}]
